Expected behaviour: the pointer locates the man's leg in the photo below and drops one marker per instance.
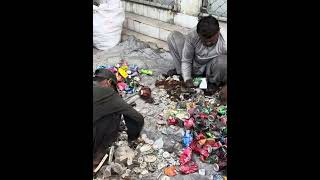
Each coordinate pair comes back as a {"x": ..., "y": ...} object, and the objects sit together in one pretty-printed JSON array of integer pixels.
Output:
[
  {"x": 217, "y": 72},
  {"x": 176, "y": 42},
  {"x": 105, "y": 133}
]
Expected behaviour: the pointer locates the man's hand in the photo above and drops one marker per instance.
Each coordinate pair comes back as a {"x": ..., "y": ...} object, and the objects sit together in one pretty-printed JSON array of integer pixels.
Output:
[
  {"x": 224, "y": 95},
  {"x": 189, "y": 83}
]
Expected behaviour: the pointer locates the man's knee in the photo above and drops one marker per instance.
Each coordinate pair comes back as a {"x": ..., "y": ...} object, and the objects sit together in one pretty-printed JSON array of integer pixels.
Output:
[{"x": 221, "y": 63}]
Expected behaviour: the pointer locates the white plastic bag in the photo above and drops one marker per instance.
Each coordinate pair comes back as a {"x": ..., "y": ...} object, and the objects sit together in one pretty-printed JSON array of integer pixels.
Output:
[{"x": 107, "y": 24}]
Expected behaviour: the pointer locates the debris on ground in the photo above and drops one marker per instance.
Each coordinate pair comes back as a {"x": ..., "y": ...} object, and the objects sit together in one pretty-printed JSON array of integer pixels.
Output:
[
  {"x": 184, "y": 130},
  {"x": 128, "y": 79}
]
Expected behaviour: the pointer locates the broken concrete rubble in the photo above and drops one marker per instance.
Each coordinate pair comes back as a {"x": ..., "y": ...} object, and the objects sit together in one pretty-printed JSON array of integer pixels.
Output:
[{"x": 123, "y": 153}]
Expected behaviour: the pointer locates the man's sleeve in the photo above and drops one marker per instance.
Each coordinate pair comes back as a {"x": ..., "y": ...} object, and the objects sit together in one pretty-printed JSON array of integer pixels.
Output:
[
  {"x": 187, "y": 57},
  {"x": 222, "y": 46},
  {"x": 134, "y": 120}
]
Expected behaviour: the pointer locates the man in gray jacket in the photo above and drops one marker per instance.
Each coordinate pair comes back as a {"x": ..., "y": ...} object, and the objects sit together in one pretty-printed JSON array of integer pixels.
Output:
[{"x": 202, "y": 52}]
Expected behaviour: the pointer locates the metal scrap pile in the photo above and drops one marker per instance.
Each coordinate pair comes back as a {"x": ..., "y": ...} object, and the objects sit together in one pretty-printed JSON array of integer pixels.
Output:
[{"x": 205, "y": 126}]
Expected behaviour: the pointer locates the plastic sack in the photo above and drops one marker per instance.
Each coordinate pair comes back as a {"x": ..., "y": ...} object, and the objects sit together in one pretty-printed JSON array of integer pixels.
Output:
[{"x": 108, "y": 19}]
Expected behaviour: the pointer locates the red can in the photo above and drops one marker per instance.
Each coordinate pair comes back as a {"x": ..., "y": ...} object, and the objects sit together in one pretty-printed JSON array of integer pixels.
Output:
[
  {"x": 189, "y": 123},
  {"x": 172, "y": 121},
  {"x": 191, "y": 167},
  {"x": 203, "y": 116},
  {"x": 223, "y": 120},
  {"x": 185, "y": 157}
]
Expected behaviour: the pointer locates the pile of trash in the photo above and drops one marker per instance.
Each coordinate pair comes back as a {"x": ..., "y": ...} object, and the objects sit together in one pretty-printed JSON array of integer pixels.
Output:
[
  {"x": 128, "y": 79},
  {"x": 190, "y": 122},
  {"x": 204, "y": 122}
]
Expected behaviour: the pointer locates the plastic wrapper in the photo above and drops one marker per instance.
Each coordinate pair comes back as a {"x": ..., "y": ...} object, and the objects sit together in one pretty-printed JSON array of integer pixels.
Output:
[
  {"x": 189, "y": 123},
  {"x": 122, "y": 86},
  {"x": 172, "y": 121},
  {"x": 188, "y": 168},
  {"x": 222, "y": 110},
  {"x": 185, "y": 157},
  {"x": 123, "y": 73},
  {"x": 187, "y": 139},
  {"x": 145, "y": 71},
  {"x": 203, "y": 116},
  {"x": 133, "y": 67},
  {"x": 170, "y": 171},
  {"x": 218, "y": 177},
  {"x": 223, "y": 120}
]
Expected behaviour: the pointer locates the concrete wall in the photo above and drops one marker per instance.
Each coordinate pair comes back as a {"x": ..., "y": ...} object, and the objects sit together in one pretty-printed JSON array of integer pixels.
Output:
[
  {"x": 158, "y": 23},
  {"x": 190, "y": 7},
  {"x": 149, "y": 11},
  {"x": 187, "y": 18}
]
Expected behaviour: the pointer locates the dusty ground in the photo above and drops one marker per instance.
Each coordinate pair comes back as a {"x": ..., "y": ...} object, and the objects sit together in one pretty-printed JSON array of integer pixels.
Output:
[{"x": 158, "y": 61}]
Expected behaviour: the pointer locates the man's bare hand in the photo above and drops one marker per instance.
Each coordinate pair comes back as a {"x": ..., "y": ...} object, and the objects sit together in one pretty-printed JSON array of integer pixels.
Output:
[{"x": 189, "y": 83}]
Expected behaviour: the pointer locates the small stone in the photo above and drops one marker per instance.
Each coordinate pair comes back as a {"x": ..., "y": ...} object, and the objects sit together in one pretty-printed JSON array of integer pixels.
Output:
[
  {"x": 161, "y": 165},
  {"x": 143, "y": 165},
  {"x": 176, "y": 78},
  {"x": 122, "y": 153},
  {"x": 158, "y": 144},
  {"x": 150, "y": 158},
  {"x": 144, "y": 136},
  {"x": 143, "y": 172},
  {"x": 164, "y": 131},
  {"x": 160, "y": 152},
  {"x": 202, "y": 172},
  {"x": 145, "y": 148},
  {"x": 164, "y": 177},
  {"x": 166, "y": 155},
  {"x": 171, "y": 161},
  {"x": 128, "y": 171},
  {"x": 106, "y": 171},
  {"x": 129, "y": 161},
  {"x": 122, "y": 143},
  {"x": 136, "y": 170},
  {"x": 149, "y": 141},
  {"x": 140, "y": 160},
  {"x": 116, "y": 167},
  {"x": 152, "y": 167},
  {"x": 126, "y": 174},
  {"x": 139, "y": 146}
]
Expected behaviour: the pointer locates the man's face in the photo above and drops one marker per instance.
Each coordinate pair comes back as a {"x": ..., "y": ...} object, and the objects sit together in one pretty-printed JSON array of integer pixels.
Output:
[
  {"x": 105, "y": 83},
  {"x": 210, "y": 41}
]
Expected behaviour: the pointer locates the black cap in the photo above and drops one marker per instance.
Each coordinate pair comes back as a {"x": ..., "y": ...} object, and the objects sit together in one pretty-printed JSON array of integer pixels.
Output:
[{"x": 102, "y": 74}]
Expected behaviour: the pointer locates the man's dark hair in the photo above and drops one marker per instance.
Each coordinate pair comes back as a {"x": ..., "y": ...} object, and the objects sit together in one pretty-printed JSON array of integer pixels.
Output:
[
  {"x": 103, "y": 74},
  {"x": 207, "y": 27}
]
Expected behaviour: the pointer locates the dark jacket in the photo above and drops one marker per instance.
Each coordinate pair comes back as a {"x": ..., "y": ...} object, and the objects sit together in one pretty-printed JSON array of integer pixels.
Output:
[{"x": 108, "y": 107}]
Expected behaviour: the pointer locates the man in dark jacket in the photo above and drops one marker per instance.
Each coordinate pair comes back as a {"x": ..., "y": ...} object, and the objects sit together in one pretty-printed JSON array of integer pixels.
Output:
[{"x": 108, "y": 107}]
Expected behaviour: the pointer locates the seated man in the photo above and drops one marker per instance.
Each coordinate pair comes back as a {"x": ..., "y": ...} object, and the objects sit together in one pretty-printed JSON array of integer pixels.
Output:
[
  {"x": 108, "y": 107},
  {"x": 202, "y": 52}
]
